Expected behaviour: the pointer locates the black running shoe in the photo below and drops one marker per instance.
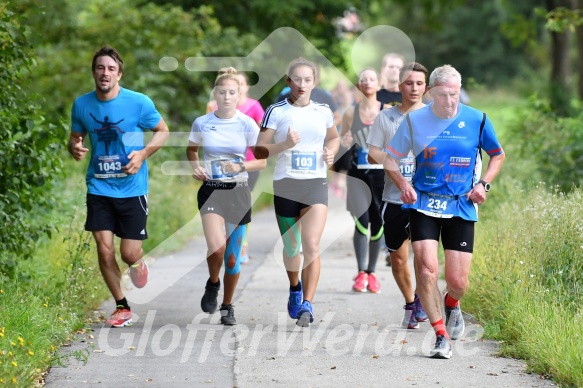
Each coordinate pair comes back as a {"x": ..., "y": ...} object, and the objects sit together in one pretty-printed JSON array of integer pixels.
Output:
[
  {"x": 209, "y": 302},
  {"x": 227, "y": 315}
]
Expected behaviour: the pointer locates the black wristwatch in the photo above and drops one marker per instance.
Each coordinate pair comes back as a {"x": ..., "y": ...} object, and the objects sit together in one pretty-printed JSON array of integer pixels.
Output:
[
  {"x": 242, "y": 164},
  {"x": 485, "y": 184}
]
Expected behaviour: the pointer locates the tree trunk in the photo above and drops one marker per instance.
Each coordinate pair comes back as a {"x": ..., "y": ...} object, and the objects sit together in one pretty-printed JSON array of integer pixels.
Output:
[
  {"x": 578, "y": 4},
  {"x": 560, "y": 92}
]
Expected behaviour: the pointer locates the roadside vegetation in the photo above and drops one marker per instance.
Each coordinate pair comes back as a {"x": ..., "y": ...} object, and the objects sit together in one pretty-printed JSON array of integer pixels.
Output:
[
  {"x": 526, "y": 284},
  {"x": 526, "y": 287},
  {"x": 54, "y": 295}
]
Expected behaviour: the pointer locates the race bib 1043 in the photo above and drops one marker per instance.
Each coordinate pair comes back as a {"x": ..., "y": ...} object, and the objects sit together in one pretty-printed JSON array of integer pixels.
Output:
[{"x": 109, "y": 166}]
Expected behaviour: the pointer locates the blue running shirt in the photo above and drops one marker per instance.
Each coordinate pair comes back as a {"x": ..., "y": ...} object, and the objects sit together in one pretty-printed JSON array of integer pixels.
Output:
[
  {"x": 115, "y": 128},
  {"x": 447, "y": 157}
]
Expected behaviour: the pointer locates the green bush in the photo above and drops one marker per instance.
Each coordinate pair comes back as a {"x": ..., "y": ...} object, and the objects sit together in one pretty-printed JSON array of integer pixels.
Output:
[
  {"x": 29, "y": 157},
  {"x": 553, "y": 144}
]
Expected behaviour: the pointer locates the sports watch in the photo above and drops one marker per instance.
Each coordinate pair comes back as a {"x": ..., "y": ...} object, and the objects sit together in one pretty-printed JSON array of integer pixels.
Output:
[
  {"x": 485, "y": 184},
  {"x": 242, "y": 164}
]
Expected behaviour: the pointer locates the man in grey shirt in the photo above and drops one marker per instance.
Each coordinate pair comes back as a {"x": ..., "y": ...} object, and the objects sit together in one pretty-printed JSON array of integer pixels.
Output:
[{"x": 412, "y": 84}]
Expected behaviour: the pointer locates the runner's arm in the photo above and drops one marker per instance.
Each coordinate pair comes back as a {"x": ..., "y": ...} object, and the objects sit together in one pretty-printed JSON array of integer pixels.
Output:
[
  {"x": 136, "y": 158},
  {"x": 199, "y": 172},
  {"x": 345, "y": 133},
  {"x": 255, "y": 164},
  {"x": 391, "y": 166},
  {"x": 265, "y": 146},
  {"x": 75, "y": 146},
  {"x": 332, "y": 145},
  {"x": 478, "y": 193},
  {"x": 161, "y": 134},
  {"x": 375, "y": 155}
]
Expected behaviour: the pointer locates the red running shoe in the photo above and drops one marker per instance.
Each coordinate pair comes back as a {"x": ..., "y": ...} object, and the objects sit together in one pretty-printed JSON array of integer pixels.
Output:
[
  {"x": 139, "y": 274},
  {"x": 121, "y": 317},
  {"x": 360, "y": 282},
  {"x": 373, "y": 284}
]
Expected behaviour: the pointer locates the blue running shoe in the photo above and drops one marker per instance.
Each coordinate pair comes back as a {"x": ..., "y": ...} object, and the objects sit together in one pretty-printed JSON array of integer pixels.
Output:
[
  {"x": 454, "y": 322},
  {"x": 306, "y": 315},
  {"x": 409, "y": 321},
  {"x": 442, "y": 348},
  {"x": 420, "y": 315},
  {"x": 294, "y": 302}
]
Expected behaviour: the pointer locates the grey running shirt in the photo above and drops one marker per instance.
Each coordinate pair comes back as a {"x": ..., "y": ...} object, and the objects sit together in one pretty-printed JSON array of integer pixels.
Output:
[{"x": 383, "y": 129}]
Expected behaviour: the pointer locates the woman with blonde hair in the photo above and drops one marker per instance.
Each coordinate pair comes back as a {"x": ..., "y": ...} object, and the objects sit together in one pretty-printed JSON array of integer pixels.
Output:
[{"x": 224, "y": 199}]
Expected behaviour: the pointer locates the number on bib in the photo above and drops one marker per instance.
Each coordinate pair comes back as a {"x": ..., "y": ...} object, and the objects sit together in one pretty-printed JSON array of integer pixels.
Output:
[
  {"x": 303, "y": 161},
  {"x": 437, "y": 204},
  {"x": 109, "y": 166}
]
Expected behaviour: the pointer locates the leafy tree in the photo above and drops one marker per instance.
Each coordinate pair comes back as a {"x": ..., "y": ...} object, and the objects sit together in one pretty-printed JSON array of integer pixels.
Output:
[
  {"x": 465, "y": 34},
  {"x": 314, "y": 19},
  {"x": 29, "y": 157},
  {"x": 552, "y": 145},
  {"x": 143, "y": 35}
]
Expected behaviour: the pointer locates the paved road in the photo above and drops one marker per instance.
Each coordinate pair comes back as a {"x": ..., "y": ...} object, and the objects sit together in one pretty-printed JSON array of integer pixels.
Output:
[{"x": 356, "y": 340}]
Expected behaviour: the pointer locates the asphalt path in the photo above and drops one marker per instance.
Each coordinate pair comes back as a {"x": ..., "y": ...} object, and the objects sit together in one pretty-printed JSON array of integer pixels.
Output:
[{"x": 356, "y": 339}]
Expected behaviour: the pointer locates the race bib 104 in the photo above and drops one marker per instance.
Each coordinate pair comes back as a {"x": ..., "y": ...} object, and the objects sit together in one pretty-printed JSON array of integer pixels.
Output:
[
  {"x": 217, "y": 171},
  {"x": 407, "y": 167},
  {"x": 362, "y": 160}
]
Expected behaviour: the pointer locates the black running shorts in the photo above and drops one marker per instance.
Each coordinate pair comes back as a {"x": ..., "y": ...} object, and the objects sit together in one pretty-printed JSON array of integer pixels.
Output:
[
  {"x": 125, "y": 217},
  {"x": 457, "y": 234},
  {"x": 396, "y": 224},
  {"x": 230, "y": 200}
]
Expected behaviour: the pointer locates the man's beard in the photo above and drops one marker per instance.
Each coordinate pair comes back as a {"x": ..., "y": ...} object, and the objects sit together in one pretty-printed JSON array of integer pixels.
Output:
[{"x": 105, "y": 89}]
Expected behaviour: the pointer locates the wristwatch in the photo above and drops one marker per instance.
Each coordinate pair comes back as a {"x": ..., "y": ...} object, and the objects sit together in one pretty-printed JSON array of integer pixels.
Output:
[
  {"x": 242, "y": 164},
  {"x": 485, "y": 184}
]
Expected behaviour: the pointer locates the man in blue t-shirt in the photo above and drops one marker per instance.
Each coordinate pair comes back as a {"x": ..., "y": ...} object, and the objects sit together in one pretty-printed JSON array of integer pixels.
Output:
[
  {"x": 446, "y": 138},
  {"x": 114, "y": 119}
]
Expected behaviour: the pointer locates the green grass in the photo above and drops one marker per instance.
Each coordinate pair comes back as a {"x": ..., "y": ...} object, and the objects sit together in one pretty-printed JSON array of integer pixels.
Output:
[
  {"x": 57, "y": 290},
  {"x": 500, "y": 106},
  {"x": 528, "y": 259},
  {"x": 525, "y": 279},
  {"x": 48, "y": 302}
]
